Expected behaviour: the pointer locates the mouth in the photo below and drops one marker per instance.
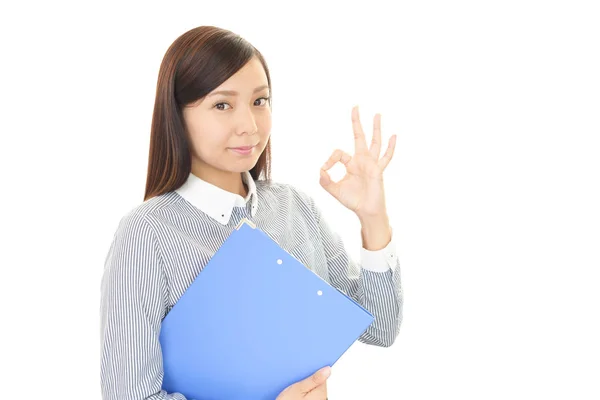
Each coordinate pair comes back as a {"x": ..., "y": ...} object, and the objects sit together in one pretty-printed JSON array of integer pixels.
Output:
[{"x": 243, "y": 150}]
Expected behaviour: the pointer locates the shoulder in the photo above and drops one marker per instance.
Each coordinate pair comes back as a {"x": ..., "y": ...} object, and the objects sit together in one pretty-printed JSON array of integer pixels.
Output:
[
  {"x": 301, "y": 195},
  {"x": 286, "y": 192},
  {"x": 139, "y": 218}
]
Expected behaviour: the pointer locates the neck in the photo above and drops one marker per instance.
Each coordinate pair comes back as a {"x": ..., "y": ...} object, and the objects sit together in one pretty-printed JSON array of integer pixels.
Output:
[{"x": 226, "y": 180}]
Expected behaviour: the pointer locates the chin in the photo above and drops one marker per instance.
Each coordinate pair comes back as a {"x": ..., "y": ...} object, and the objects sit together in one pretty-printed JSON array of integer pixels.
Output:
[{"x": 242, "y": 166}]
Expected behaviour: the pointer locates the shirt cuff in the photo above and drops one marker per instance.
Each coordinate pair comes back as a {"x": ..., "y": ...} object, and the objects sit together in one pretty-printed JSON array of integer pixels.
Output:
[{"x": 379, "y": 260}]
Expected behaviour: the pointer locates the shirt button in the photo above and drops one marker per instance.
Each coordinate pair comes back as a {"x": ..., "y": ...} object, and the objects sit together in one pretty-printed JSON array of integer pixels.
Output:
[{"x": 392, "y": 259}]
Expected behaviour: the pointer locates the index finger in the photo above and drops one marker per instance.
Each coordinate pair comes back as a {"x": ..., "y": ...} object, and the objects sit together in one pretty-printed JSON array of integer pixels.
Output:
[{"x": 318, "y": 393}]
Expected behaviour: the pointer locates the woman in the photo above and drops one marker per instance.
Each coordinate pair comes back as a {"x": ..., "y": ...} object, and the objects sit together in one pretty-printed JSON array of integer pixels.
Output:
[{"x": 209, "y": 167}]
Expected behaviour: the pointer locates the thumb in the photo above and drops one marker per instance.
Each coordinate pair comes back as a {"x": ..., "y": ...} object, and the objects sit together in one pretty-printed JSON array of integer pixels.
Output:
[{"x": 316, "y": 379}]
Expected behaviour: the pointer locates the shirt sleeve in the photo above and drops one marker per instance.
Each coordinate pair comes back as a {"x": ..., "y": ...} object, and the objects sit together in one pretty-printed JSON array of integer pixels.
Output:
[
  {"x": 132, "y": 306},
  {"x": 380, "y": 260},
  {"x": 374, "y": 282}
]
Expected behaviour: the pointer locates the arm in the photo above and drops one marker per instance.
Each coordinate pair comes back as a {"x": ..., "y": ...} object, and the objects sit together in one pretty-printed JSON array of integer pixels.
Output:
[
  {"x": 133, "y": 302},
  {"x": 374, "y": 283}
]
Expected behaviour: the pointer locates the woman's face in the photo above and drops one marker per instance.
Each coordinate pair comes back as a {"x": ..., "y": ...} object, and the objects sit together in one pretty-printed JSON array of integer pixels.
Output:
[{"x": 220, "y": 122}]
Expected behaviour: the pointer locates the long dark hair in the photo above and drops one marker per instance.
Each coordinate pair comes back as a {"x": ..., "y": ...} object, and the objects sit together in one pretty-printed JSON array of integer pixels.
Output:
[{"x": 194, "y": 65}]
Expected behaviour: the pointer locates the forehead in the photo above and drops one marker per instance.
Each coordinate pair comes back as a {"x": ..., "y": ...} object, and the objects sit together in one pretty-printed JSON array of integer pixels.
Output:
[{"x": 247, "y": 78}]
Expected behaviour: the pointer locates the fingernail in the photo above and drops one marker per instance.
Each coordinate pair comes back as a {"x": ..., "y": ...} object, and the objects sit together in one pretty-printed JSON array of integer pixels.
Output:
[{"x": 325, "y": 372}]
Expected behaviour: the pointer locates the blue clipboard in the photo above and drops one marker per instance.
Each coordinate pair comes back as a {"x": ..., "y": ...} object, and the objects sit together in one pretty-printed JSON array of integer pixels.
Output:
[{"x": 253, "y": 322}]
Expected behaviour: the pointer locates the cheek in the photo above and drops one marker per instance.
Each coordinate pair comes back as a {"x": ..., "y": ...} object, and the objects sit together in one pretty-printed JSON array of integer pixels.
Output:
[
  {"x": 209, "y": 146},
  {"x": 265, "y": 128},
  {"x": 265, "y": 123},
  {"x": 264, "y": 140}
]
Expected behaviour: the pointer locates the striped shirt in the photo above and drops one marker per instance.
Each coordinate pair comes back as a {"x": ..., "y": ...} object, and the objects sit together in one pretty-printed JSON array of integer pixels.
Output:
[{"x": 161, "y": 245}]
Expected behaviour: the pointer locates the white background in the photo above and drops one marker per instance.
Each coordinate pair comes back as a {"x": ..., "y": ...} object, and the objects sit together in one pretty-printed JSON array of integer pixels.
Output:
[{"x": 493, "y": 191}]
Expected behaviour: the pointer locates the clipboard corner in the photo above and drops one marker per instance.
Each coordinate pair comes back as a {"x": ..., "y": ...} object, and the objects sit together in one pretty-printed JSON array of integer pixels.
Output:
[{"x": 247, "y": 222}]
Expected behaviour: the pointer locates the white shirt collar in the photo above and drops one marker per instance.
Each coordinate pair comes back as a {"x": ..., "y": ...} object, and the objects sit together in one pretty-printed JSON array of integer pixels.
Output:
[{"x": 214, "y": 201}]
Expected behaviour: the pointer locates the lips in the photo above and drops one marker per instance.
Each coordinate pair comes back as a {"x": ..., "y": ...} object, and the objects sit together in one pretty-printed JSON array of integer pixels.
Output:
[{"x": 243, "y": 147}]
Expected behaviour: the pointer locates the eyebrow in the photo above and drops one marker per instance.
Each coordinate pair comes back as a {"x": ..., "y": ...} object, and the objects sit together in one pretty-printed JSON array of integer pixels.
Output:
[{"x": 234, "y": 93}]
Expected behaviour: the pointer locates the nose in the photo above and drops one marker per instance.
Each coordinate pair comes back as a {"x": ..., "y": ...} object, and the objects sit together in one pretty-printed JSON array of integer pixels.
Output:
[{"x": 248, "y": 123}]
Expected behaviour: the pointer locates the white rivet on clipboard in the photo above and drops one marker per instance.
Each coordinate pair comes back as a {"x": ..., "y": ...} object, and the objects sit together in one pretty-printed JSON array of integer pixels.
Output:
[
  {"x": 320, "y": 292},
  {"x": 279, "y": 261}
]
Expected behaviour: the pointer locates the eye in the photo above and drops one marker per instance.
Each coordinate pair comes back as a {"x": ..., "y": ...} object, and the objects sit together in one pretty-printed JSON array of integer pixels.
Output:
[
  {"x": 266, "y": 99},
  {"x": 219, "y": 107},
  {"x": 219, "y": 104}
]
